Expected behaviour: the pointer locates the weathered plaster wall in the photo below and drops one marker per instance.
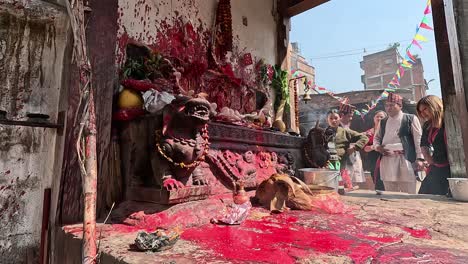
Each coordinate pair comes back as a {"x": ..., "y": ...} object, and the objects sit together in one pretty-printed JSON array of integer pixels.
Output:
[
  {"x": 140, "y": 21},
  {"x": 32, "y": 44},
  {"x": 259, "y": 36}
]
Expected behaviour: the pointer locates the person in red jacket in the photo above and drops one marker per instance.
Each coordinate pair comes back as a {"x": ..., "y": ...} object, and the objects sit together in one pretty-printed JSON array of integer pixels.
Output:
[{"x": 373, "y": 157}]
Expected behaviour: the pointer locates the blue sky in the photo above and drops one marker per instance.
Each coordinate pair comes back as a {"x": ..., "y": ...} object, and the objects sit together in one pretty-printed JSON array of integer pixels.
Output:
[{"x": 343, "y": 27}]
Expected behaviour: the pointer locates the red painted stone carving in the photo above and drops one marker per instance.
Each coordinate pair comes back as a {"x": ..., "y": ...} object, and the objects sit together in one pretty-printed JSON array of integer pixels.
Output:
[
  {"x": 182, "y": 143},
  {"x": 249, "y": 167},
  {"x": 182, "y": 157}
]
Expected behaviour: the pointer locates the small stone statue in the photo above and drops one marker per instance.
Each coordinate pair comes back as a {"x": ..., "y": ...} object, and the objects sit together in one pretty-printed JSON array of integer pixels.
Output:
[{"x": 182, "y": 143}]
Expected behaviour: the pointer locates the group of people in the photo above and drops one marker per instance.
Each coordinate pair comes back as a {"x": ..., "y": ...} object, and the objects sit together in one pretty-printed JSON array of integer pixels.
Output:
[{"x": 397, "y": 147}]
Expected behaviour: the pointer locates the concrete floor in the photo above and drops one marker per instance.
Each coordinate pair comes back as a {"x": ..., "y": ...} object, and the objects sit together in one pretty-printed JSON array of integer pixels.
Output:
[{"x": 392, "y": 228}]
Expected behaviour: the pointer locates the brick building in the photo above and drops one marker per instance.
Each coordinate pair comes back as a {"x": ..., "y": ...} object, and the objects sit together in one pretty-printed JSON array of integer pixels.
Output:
[
  {"x": 300, "y": 65},
  {"x": 379, "y": 69}
]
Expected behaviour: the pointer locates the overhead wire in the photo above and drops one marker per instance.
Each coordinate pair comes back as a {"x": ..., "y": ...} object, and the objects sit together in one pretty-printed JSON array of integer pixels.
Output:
[{"x": 352, "y": 53}]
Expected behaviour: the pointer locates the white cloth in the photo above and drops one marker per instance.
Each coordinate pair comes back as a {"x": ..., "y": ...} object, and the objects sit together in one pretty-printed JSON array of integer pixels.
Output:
[
  {"x": 354, "y": 167},
  {"x": 236, "y": 213},
  {"x": 155, "y": 100},
  {"x": 354, "y": 163},
  {"x": 394, "y": 167}
]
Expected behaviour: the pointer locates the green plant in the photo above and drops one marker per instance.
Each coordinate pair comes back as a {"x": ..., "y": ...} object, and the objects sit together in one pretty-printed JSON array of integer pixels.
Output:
[
  {"x": 152, "y": 67},
  {"x": 395, "y": 45},
  {"x": 133, "y": 69},
  {"x": 155, "y": 66},
  {"x": 279, "y": 83}
]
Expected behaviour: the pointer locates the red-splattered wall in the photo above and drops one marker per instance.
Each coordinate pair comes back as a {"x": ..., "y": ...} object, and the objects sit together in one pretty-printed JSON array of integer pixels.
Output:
[
  {"x": 183, "y": 31},
  {"x": 253, "y": 25},
  {"x": 32, "y": 44},
  {"x": 180, "y": 30}
]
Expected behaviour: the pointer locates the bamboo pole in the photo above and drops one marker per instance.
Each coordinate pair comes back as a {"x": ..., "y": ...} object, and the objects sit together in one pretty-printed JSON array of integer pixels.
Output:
[
  {"x": 90, "y": 188},
  {"x": 86, "y": 151}
]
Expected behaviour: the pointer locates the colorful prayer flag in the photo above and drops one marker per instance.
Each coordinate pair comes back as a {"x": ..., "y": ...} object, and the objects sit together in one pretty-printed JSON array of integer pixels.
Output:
[
  {"x": 395, "y": 82},
  {"x": 406, "y": 64},
  {"x": 410, "y": 55},
  {"x": 416, "y": 43},
  {"x": 321, "y": 90},
  {"x": 426, "y": 26},
  {"x": 420, "y": 37},
  {"x": 402, "y": 71},
  {"x": 409, "y": 59},
  {"x": 427, "y": 10}
]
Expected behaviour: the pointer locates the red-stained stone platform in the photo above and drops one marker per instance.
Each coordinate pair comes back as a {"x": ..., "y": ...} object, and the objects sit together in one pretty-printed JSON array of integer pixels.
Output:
[{"x": 393, "y": 228}]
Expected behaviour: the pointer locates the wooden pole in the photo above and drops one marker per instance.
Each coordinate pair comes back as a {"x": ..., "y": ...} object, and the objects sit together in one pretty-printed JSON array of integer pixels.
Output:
[
  {"x": 87, "y": 155},
  {"x": 296, "y": 99},
  {"x": 90, "y": 188},
  {"x": 451, "y": 82},
  {"x": 296, "y": 107},
  {"x": 43, "y": 253}
]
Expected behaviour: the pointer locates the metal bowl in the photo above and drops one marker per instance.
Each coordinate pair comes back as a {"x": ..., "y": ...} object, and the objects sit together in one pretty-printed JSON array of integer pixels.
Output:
[
  {"x": 322, "y": 177},
  {"x": 459, "y": 188}
]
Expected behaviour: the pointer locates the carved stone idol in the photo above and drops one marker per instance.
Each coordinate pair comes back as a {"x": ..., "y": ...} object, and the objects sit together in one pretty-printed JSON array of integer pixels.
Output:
[
  {"x": 182, "y": 143},
  {"x": 246, "y": 166}
]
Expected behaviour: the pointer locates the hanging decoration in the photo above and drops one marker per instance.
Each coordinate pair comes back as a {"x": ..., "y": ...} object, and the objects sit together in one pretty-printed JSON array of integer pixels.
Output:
[
  {"x": 320, "y": 90},
  {"x": 224, "y": 28},
  {"x": 407, "y": 60}
]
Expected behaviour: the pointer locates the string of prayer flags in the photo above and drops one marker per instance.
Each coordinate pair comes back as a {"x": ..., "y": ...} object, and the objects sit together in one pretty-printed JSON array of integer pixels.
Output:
[
  {"x": 294, "y": 73},
  {"x": 409, "y": 59},
  {"x": 321, "y": 90},
  {"x": 407, "y": 63}
]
